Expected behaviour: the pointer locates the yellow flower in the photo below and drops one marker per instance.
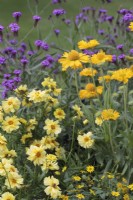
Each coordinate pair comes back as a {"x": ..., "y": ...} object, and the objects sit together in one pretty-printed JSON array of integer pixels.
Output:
[
  {"x": 36, "y": 154},
  {"x": 80, "y": 196},
  {"x": 11, "y": 104},
  {"x": 90, "y": 91},
  {"x": 52, "y": 188},
  {"x": 92, "y": 192},
  {"x": 22, "y": 90},
  {"x": 3, "y": 141},
  {"x": 99, "y": 121},
  {"x": 49, "y": 82},
  {"x": 115, "y": 194},
  {"x": 88, "y": 72},
  {"x": 100, "y": 58},
  {"x": 79, "y": 186},
  {"x": 37, "y": 96},
  {"x": 122, "y": 75},
  {"x": 7, "y": 196},
  {"x": 52, "y": 127},
  {"x": 73, "y": 59},
  {"x": 126, "y": 197},
  {"x": 25, "y": 137},
  {"x": 10, "y": 124},
  {"x": 64, "y": 197},
  {"x": 131, "y": 187},
  {"x": 90, "y": 168},
  {"x": 105, "y": 78},
  {"x": 76, "y": 178},
  {"x": 14, "y": 180},
  {"x": 64, "y": 168},
  {"x": 78, "y": 110},
  {"x": 49, "y": 142},
  {"x": 86, "y": 140},
  {"x": 59, "y": 114},
  {"x": 86, "y": 45},
  {"x": 131, "y": 26},
  {"x": 109, "y": 114}
]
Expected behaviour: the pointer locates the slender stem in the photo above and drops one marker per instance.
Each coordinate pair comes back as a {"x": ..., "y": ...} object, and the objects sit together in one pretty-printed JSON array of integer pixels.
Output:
[
  {"x": 110, "y": 138},
  {"x": 72, "y": 143},
  {"x": 125, "y": 103},
  {"x": 6, "y": 174}
]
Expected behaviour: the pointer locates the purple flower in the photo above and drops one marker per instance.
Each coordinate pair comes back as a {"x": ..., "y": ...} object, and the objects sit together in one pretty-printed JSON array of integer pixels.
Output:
[
  {"x": 127, "y": 17},
  {"x": 57, "y": 32},
  {"x": 6, "y": 76},
  {"x": 45, "y": 46},
  {"x": 24, "y": 61},
  {"x": 101, "y": 32},
  {"x": 17, "y": 72},
  {"x": 120, "y": 46},
  {"x": 2, "y": 60},
  {"x": 13, "y": 42},
  {"x": 30, "y": 53},
  {"x": 67, "y": 21},
  {"x": 45, "y": 63},
  {"x": 114, "y": 58},
  {"x": 109, "y": 18},
  {"x": 14, "y": 28},
  {"x": 38, "y": 43},
  {"x": 102, "y": 11},
  {"x": 49, "y": 58},
  {"x": 122, "y": 11},
  {"x": 17, "y": 15},
  {"x": 17, "y": 79},
  {"x": 36, "y": 19},
  {"x": 58, "y": 12},
  {"x": 131, "y": 51},
  {"x": 56, "y": 1},
  {"x": 1, "y": 28},
  {"x": 86, "y": 9},
  {"x": 23, "y": 45},
  {"x": 121, "y": 57},
  {"x": 88, "y": 52}
]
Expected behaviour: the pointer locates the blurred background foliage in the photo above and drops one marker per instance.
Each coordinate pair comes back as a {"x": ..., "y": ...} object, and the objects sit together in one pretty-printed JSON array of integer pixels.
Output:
[{"x": 44, "y": 9}]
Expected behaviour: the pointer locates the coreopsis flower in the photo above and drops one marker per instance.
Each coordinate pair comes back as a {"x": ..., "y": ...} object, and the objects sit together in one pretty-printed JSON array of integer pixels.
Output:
[
  {"x": 59, "y": 114},
  {"x": 109, "y": 114},
  {"x": 3, "y": 141},
  {"x": 37, "y": 96},
  {"x": 49, "y": 142},
  {"x": 14, "y": 180},
  {"x": 36, "y": 154},
  {"x": 78, "y": 110},
  {"x": 122, "y": 75},
  {"x": 126, "y": 197},
  {"x": 106, "y": 78},
  {"x": 87, "y": 45},
  {"x": 99, "y": 121},
  {"x": 7, "y": 196},
  {"x": 50, "y": 163},
  {"x": 115, "y": 194},
  {"x": 52, "y": 127},
  {"x": 10, "y": 124},
  {"x": 11, "y": 104},
  {"x": 73, "y": 59},
  {"x": 21, "y": 90},
  {"x": 100, "y": 58},
  {"x": 131, "y": 26},
  {"x": 90, "y": 91},
  {"x": 90, "y": 168},
  {"x": 80, "y": 196},
  {"x": 49, "y": 82},
  {"x": 52, "y": 188},
  {"x": 25, "y": 137},
  {"x": 64, "y": 197},
  {"x": 86, "y": 140},
  {"x": 88, "y": 72},
  {"x": 3, "y": 165},
  {"x": 76, "y": 178},
  {"x": 130, "y": 187}
]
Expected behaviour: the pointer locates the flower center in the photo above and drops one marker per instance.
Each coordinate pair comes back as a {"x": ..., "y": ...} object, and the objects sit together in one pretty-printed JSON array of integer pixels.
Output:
[
  {"x": 73, "y": 55},
  {"x": 38, "y": 154},
  {"x": 86, "y": 139},
  {"x": 52, "y": 127},
  {"x": 10, "y": 122},
  {"x": 9, "y": 102}
]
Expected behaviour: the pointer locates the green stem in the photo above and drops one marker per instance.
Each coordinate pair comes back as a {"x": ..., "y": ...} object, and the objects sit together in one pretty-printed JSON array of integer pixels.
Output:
[
  {"x": 125, "y": 103},
  {"x": 72, "y": 143}
]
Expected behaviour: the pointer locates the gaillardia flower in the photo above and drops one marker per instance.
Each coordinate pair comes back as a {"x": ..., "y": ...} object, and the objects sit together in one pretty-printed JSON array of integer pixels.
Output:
[{"x": 73, "y": 59}]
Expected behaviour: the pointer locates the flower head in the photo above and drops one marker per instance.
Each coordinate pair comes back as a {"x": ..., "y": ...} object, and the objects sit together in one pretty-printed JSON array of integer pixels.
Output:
[
  {"x": 86, "y": 140},
  {"x": 73, "y": 59}
]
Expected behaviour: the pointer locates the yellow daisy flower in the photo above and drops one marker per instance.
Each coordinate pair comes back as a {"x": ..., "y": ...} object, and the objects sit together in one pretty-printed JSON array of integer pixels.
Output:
[
  {"x": 73, "y": 59},
  {"x": 10, "y": 124}
]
